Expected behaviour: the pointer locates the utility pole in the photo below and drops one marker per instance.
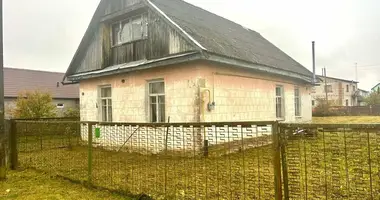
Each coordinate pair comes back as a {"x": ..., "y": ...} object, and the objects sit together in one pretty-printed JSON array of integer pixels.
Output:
[
  {"x": 2, "y": 130},
  {"x": 326, "y": 91},
  {"x": 356, "y": 72}
]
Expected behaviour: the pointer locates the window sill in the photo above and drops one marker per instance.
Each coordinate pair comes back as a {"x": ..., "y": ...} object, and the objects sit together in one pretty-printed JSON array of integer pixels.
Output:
[
  {"x": 298, "y": 117},
  {"x": 280, "y": 119}
]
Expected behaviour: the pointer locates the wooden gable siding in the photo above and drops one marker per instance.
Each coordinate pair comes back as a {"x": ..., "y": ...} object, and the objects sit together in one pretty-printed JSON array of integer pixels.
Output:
[
  {"x": 117, "y": 5},
  {"x": 93, "y": 57},
  {"x": 162, "y": 40}
]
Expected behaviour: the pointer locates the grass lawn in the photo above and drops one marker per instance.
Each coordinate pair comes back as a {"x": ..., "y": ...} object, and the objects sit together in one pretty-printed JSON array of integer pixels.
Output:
[
  {"x": 347, "y": 119},
  {"x": 32, "y": 185},
  {"x": 335, "y": 164}
]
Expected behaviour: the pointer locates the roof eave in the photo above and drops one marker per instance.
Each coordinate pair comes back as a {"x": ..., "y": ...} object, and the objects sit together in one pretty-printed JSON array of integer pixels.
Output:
[
  {"x": 258, "y": 67},
  {"x": 182, "y": 58}
]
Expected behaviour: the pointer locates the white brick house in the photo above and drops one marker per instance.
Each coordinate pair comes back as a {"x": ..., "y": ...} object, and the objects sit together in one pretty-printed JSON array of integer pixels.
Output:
[{"x": 147, "y": 60}]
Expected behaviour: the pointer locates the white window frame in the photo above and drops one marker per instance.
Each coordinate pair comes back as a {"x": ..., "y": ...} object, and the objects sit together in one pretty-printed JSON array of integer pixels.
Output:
[
  {"x": 280, "y": 99},
  {"x": 130, "y": 19},
  {"x": 107, "y": 104},
  {"x": 297, "y": 102},
  {"x": 156, "y": 95}
]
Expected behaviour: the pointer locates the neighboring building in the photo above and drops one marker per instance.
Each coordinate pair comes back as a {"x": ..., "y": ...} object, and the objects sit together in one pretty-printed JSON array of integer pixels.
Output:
[
  {"x": 340, "y": 92},
  {"x": 362, "y": 94},
  {"x": 376, "y": 88},
  {"x": 20, "y": 80},
  {"x": 146, "y": 60}
]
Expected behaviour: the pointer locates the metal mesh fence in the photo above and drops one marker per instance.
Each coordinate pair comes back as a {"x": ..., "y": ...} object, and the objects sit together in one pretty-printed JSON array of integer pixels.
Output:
[
  {"x": 164, "y": 161},
  {"x": 331, "y": 161}
]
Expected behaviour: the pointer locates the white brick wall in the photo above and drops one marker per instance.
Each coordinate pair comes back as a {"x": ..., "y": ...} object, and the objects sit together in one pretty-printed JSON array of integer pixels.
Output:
[
  {"x": 237, "y": 98},
  {"x": 248, "y": 96}
]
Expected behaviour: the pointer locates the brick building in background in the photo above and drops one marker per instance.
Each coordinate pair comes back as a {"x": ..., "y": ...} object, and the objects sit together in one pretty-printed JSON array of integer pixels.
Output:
[
  {"x": 21, "y": 80},
  {"x": 146, "y": 60},
  {"x": 340, "y": 92}
]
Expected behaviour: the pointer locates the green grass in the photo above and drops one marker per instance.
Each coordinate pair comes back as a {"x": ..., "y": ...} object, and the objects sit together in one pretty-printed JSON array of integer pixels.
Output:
[
  {"x": 347, "y": 119},
  {"x": 222, "y": 175},
  {"x": 29, "y": 184},
  {"x": 336, "y": 165}
]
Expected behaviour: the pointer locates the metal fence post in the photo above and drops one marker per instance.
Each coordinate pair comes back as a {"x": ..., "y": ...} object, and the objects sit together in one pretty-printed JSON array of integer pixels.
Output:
[
  {"x": 90, "y": 125},
  {"x": 283, "y": 143},
  {"x": 277, "y": 161},
  {"x": 13, "y": 146}
]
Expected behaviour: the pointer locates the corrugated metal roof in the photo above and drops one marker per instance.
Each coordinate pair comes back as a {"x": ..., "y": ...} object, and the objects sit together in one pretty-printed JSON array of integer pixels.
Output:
[{"x": 19, "y": 80}]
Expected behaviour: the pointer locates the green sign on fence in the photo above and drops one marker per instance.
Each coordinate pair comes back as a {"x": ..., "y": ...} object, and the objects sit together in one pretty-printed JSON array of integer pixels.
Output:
[{"x": 97, "y": 132}]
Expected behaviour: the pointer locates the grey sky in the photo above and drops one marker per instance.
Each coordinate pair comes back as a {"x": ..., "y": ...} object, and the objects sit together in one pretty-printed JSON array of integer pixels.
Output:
[{"x": 44, "y": 34}]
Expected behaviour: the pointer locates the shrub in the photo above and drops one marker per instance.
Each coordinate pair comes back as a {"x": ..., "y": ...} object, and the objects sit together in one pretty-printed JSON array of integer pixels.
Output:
[
  {"x": 34, "y": 104},
  {"x": 72, "y": 113}
]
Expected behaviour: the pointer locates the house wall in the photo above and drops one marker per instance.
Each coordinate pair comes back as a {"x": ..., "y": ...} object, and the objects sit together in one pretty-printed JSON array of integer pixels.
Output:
[
  {"x": 237, "y": 98},
  {"x": 10, "y": 103},
  {"x": 129, "y": 99},
  {"x": 243, "y": 95},
  {"x": 339, "y": 95}
]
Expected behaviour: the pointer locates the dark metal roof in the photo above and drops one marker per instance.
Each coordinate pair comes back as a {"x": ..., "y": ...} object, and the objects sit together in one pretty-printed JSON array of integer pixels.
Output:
[
  {"x": 19, "y": 80},
  {"x": 210, "y": 32},
  {"x": 221, "y": 36}
]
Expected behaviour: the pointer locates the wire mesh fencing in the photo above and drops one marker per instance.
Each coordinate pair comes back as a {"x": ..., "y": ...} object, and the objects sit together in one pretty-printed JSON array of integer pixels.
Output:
[
  {"x": 331, "y": 161},
  {"x": 165, "y": 161}
]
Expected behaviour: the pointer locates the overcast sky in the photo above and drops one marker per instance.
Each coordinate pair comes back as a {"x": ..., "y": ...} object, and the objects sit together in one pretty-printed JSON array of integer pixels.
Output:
[{"x": 44, "y": 34}]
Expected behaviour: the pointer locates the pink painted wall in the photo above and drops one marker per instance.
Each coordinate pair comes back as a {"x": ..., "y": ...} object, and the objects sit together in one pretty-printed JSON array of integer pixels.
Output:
[
  {"x": 240, "y": 95},
  {"x": 243, "y": 95}
]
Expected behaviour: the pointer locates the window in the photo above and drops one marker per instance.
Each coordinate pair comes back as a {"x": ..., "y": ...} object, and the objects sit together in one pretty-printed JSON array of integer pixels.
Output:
[
  {"x": 347, "y": 88},
  {"x": 60, "y": 105},
  {"x": 328, "y": 88},
  {"x": 129, "y": 30},
  {"x": 346, "y": 102},
  {"x": 280, "y": 102},
  {"x": 157, "y": 101},
  {"x": 297, "y": 101},
  {"x": 313, "y": 102},
  {"x": 353, "y": 88},
  {"x": 106, "y": 103}
]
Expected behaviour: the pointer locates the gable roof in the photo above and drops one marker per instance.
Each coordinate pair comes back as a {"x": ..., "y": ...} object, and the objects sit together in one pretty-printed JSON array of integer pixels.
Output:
[
  {"x": 374, "y": 87},
  {"x": 224, "y": 37},
  {"x": 212, "y": 34},
  {"x": 338, "y": 79},
  {"x": 19, "y": 80}
]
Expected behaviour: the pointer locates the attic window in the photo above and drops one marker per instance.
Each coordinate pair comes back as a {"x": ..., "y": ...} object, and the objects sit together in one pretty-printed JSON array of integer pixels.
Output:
[
  {"x": 60, "y": 105},
  {"x": 129, "y": 30}
]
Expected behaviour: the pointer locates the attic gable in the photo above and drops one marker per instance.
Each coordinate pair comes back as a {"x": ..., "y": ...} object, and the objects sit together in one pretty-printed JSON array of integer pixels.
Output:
[
  {"x": 175, "y": 26},
  {"x": 124, "y": 31}
]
